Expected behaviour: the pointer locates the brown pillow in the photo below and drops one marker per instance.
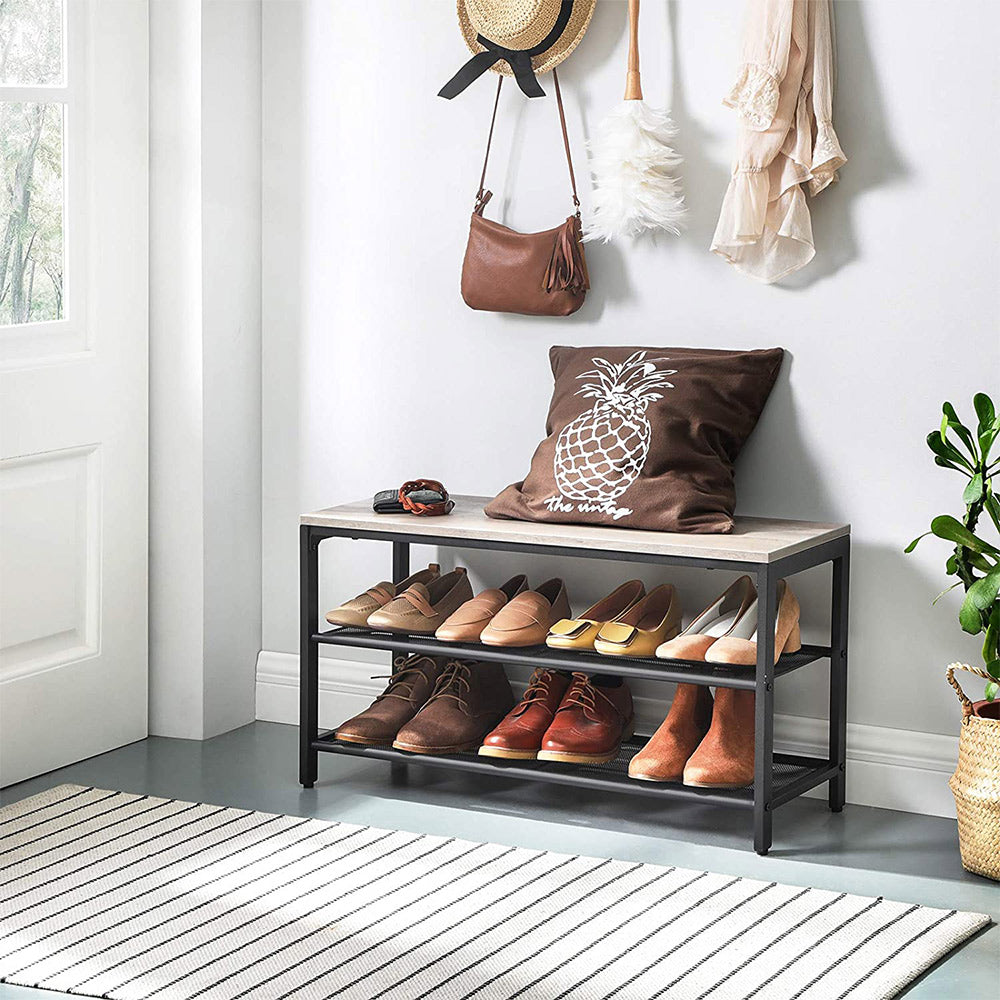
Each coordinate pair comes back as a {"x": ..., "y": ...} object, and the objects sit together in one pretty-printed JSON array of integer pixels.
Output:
[{"x": 643, "y": 437}]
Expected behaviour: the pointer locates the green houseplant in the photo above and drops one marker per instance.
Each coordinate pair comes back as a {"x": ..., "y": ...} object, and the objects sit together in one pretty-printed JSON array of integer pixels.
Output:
[{"x": 975, "y": 561}]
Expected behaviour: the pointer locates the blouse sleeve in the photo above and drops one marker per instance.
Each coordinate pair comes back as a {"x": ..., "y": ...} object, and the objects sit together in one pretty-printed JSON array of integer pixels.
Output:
[
  {"x": 827, "y": 157},
  {"x": 767, "y": 35}
]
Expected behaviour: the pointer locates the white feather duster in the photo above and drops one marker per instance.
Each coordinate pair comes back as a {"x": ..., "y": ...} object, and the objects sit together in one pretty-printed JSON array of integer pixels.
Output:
[{"x": 633, "y": 163}]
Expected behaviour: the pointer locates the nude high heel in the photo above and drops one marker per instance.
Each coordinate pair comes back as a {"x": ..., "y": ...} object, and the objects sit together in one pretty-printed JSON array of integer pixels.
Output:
[{"x": 739, "y": 646}]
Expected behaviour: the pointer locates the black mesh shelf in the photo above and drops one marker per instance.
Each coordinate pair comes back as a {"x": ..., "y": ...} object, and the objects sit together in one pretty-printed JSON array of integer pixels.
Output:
[
  {"x": 692, "y": 671},
  {"x": 792, "y": 775}
]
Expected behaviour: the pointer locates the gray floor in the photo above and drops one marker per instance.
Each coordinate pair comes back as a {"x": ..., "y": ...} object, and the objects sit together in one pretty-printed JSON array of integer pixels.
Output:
[{"x": 869, "y": 851}]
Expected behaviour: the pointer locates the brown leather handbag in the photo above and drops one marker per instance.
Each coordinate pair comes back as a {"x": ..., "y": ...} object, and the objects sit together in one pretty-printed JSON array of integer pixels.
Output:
[{"x": 537, "y": 274}]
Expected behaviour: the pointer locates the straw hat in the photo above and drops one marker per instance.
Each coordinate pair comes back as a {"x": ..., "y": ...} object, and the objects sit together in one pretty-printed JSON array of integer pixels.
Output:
[{"x": 524, "y": 24}]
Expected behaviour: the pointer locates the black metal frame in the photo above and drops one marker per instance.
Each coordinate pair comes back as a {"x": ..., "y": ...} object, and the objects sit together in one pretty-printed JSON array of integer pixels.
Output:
[{"x": 763, "y": 797}]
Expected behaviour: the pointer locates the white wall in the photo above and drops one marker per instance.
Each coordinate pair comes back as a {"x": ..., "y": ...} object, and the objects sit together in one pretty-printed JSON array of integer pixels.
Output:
[
  {"x": 375, "y": 371},
  {"x": 205, "y": 352}
]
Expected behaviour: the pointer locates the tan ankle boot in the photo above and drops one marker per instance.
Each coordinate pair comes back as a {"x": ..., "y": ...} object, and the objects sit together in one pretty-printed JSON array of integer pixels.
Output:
[
  {"x": 724, "y": 758},
  {"x": 664, "y": 756}
]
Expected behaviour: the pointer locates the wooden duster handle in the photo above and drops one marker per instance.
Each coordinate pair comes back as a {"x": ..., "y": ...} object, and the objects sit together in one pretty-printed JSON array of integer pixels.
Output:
[{"x": 633, "y": 85}]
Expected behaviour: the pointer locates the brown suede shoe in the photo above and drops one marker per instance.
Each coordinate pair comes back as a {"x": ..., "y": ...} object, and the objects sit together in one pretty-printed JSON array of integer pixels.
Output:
[
  {"x": 519, "y": 736},
  {"x": 355, "y": 612},
  {"x": 724, "y": 758},
  {"x": 664, "y": 756},
  {"x": 526, "y": 620},
  {"x": 468, "y": 701},
  {"x": 468, "y": 622},
  {"x": 412, "y": 681},
  {"x": 590, "y": 724},
  {"x": 420, "y": 609}
]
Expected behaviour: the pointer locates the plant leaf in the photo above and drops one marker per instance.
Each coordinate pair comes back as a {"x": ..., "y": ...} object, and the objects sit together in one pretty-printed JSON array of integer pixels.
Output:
[
  {"x": 991, "y": 690},
  {"x": 973, "y": 490},
  {"x": 963, "y": 432},
  {"x": 984, "y": 591},
  {"x": 993, "y": 669},
  {"x": 993, "y": 506},
  {"x": 947, "y": 527},
  {"x": 940, "y": 447},
  {"x": 969, "y": 617},
  {"x": 985, "y": 410},
  {"x": 947, "y": 590},
  {"x": 913, "y": 544}
]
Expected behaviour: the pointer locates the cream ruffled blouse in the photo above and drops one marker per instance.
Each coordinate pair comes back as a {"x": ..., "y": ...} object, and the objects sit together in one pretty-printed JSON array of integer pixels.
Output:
[{"x": 784, "y": 97}]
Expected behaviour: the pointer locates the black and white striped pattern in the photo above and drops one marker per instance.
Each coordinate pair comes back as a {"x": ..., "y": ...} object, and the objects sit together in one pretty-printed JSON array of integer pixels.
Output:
[{"x": 125, "y": 896}]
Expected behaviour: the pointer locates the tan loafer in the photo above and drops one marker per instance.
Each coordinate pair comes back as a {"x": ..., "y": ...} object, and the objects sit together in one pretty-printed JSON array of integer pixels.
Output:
[
  {"x": 716, "y": 621},
  {"x": 526, "y": 620},
  {"x": 420, "y": 609},
  {"x": 354, "y": 613},
  {"x": 468, "y": 622},
  {"x": 739, "y": 647},
  {"x": 649, "y": 622},
  {"x": 580, "y": 633}
]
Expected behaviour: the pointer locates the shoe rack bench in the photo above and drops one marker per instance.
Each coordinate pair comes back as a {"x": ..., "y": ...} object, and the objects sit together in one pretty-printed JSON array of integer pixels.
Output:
[{"x": 766, "y": 549}]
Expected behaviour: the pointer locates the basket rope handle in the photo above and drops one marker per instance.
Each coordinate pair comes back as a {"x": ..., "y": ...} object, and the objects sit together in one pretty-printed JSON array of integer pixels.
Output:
[{"x": 962, "y": 696}]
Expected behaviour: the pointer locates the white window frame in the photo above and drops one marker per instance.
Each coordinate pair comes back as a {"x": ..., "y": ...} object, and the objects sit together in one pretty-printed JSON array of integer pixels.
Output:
[{"x": 28, "y": 345}]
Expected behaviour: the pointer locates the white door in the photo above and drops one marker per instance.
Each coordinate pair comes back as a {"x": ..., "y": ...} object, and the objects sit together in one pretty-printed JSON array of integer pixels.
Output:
[{"x": 73, "y": 347}]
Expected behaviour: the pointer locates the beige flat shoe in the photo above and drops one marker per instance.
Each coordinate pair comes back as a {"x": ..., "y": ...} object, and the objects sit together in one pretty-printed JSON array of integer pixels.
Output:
[
  {"x": 739, "y": 647},
  {"x": 580, "y": 633},
  {"x": 421, "y": 609},
  {"x": 468, "y": 622},
  {"x": 526, "y": 620},
  {"x": 716, "y": 621},
  {"x": 649, "y": 622},
  {"x": 354, "y": 613}
]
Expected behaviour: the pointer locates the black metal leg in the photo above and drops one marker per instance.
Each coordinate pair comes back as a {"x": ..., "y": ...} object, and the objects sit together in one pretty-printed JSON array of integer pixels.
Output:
[
  {"x": 763, "y": 779},
  {"x": 400, "y": 561},
  {"x": 838, "y": 675},
  {"x": 308, "y": 655}
]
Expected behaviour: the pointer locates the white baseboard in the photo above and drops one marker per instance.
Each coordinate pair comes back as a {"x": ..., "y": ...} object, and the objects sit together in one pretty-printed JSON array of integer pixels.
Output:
[{"x": 890, "y": 768}]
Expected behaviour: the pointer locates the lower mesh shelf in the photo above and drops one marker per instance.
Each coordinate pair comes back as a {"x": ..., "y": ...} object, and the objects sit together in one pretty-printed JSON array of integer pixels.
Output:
[{"x": 613, "y": 774}]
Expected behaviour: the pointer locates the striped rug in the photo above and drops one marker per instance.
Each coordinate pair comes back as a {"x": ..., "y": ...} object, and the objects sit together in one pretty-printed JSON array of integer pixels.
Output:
[{"x": 109, "y": 894}]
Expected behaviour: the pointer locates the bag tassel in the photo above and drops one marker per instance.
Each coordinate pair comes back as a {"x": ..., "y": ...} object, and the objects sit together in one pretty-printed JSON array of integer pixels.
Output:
[{"x": 567, "y": 268}]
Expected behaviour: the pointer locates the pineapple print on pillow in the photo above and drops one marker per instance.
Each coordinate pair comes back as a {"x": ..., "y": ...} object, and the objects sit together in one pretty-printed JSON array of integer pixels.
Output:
[{"x": 601, "y": 453}]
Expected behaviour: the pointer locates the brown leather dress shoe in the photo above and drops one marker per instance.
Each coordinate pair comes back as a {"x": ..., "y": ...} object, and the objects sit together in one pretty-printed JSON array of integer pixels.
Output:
[
  {"x": 468, "y": 701},
  {"x": 590, "y": 724},
  {"x": 724, "y": 758},
  {"x": 526, "y": 620},
  {"x": 664, "y": 756},
  {"x": 468, "y": 622},
  {"x": 519, "y": 736},
  {"x": 420, "y": 609},
  {"x": 412, "y": 681},
  {"x": 355, "y": 612}
]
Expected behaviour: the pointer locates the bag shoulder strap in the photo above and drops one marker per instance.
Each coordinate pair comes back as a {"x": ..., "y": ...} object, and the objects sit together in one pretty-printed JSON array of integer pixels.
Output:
[{"x": 482, "y": 195}]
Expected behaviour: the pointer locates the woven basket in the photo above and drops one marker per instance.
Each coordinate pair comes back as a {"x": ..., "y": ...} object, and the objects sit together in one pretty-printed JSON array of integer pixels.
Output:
[{"x": 976, "y": 784}]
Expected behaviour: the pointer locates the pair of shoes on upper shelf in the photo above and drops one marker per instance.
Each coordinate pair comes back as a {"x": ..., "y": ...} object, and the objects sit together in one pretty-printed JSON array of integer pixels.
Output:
[
  {"x": 570, "y": 718},
  {"x": 415, "y": 606},
  {"x": 709, "y": 743},
  {"x": 433, "y": 705},
  {"x": 630, "y": 622},
  {"x": 427, "y": 603}
]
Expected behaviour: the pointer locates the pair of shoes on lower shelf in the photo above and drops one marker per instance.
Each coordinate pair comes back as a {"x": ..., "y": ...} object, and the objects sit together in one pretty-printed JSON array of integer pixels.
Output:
[
  {"x": 433, "y": 705},
  {"x": 437, "y": 706},
  {"x": 630, "y": 622},
  {"x": 570, "y": 718}
]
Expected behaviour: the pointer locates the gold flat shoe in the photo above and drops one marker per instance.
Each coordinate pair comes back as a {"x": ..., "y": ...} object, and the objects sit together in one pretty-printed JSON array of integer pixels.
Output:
[
  {"x": 580, "y": 633},
  {"x": 647, "y": 624}
]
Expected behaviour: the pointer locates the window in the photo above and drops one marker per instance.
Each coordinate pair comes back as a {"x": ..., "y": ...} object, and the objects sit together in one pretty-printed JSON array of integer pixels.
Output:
[{"x": 35, "y": 118}]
